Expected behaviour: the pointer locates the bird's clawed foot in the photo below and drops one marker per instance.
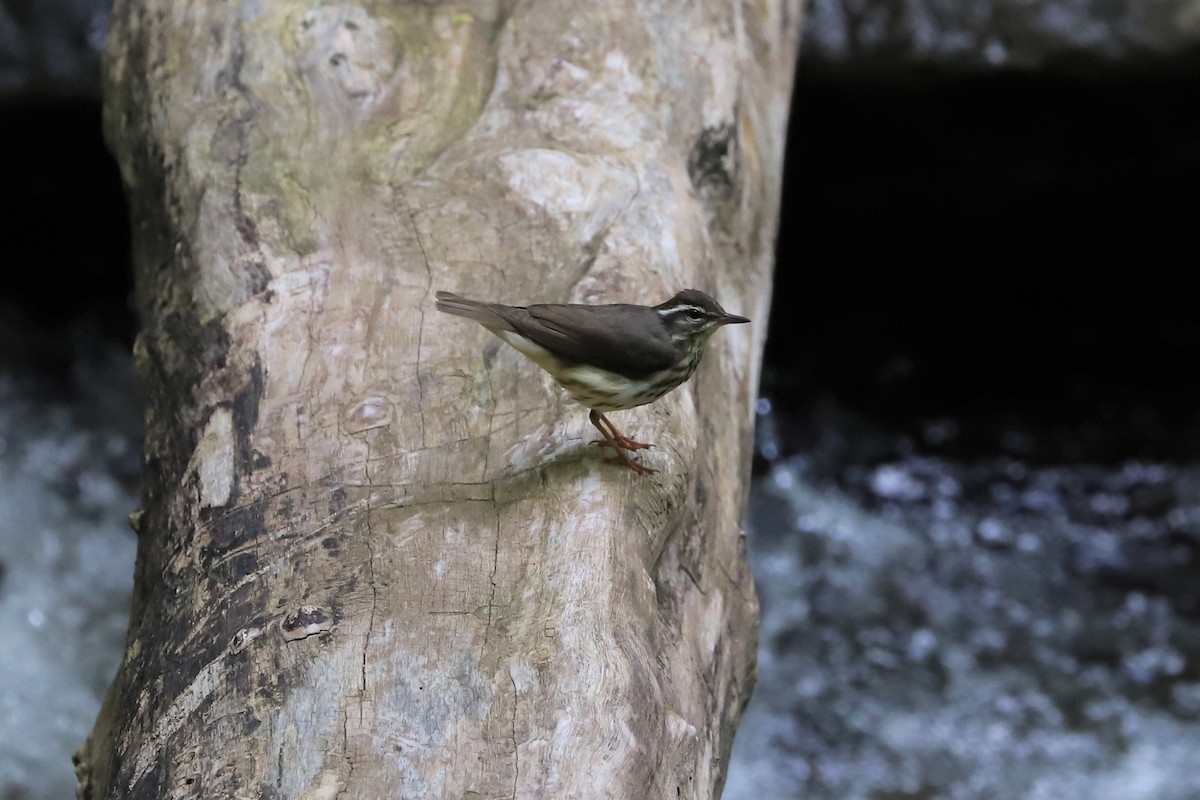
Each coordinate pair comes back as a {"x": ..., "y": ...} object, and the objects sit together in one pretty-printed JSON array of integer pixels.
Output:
[
  {"x": 623, "y": 458},
  {"x": 619, "y": 443},
  {"x": 623, "y": 443},
  {"x": 630, "y": 444}
]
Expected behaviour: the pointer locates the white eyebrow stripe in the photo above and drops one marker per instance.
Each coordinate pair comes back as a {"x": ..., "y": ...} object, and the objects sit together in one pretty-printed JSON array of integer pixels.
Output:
[{"x": 666, "y": 312}]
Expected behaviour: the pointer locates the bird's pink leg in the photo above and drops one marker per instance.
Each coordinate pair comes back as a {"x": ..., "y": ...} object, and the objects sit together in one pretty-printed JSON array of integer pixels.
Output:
[
  {"x": 614, "y": 435},
  {"x": 613, "y": 439}
]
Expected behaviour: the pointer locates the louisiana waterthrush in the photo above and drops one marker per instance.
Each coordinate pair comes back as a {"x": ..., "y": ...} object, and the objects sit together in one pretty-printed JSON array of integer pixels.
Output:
[{"x": 608, "y": 357}]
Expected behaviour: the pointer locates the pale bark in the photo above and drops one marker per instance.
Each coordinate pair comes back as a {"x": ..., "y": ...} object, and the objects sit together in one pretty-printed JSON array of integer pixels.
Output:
[{"x": 376, "y": 558}]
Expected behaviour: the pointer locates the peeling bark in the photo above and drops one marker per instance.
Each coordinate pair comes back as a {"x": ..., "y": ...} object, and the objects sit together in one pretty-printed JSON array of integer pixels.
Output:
[{"x": 376, "y": 558}]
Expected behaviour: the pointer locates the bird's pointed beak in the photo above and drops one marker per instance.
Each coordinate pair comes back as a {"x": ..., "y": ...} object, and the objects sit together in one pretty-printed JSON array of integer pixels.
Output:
[{"x": 732, "y": 319}]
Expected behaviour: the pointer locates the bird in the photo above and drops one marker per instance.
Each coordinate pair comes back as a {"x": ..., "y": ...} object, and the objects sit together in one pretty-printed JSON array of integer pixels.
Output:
[{"x": 609, "y": 357}]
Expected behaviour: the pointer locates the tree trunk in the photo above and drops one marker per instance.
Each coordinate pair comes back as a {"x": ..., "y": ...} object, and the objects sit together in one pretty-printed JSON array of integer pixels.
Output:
[{"x": 376, "y": 558}]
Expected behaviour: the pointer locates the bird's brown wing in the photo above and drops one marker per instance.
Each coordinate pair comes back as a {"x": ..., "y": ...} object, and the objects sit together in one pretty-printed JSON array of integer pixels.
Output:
[{"x": 625, "y": 339}]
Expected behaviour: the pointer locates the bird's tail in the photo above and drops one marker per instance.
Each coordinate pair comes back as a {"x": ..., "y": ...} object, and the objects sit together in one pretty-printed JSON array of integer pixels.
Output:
[{"x": 471, "y": 309}]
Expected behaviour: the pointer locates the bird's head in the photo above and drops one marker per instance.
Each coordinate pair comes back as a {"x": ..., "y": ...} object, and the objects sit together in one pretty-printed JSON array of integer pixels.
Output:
[{"x": 692, "y": 315}]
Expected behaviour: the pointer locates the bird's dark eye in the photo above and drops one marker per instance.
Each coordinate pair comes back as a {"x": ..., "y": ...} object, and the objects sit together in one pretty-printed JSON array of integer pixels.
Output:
[{"x": 695, "y": 314}]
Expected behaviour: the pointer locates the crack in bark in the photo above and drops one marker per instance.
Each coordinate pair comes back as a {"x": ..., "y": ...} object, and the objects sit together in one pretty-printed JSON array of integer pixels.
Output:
[
  {"x": 496, "y": 561},
  {"x": 374, "y": 600},
  {"x": 346, "y": 753},
  {"x": 516, "y": 749},
  {"x": 420, "y": 325},
  {"x": 695, "y": 582},
  {"x": 737, "y": 587},
  {"x": 487, "y": 451},
  {"x": 370, "y": 624},
  {"x": 491, "y": 604}
]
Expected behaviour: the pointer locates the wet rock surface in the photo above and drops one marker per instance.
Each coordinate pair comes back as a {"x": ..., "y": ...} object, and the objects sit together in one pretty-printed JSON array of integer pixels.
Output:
[
  {"x": 69, "y": 464},
  {"x": 873, "y": 34},
  {"x": 51, "y": 47},
  {"x": 970, "y": 628}
]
